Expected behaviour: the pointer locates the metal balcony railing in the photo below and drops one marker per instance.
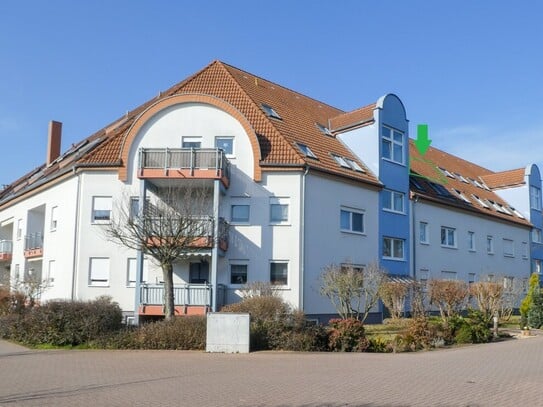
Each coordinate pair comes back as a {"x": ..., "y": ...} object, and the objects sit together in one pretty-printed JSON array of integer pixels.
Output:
[
  {"x": 190, "y": 159},
  {"x": 184, "y": 294}
]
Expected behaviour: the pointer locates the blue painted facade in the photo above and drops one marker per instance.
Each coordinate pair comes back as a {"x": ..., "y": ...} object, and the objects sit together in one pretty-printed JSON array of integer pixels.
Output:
[{"x": 536, "y": 217}]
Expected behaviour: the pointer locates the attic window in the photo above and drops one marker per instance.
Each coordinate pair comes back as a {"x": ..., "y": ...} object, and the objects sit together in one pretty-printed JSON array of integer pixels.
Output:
[
  {"x": 497, "y": 206},
  {"x": 446, "y": 172},
  {"x": 306, "y": 151},
  {"x": 324, "y": 129},
  {"x": 440, "y": 189},
  {"x": 341, "y": 161},
  {"x": 476, "y": 183},
  {"x": 520, "y": 215},
  {"x": 354, "y": 165},
  {"x": 481, "y": 202},
  {"x": 461, "y": 178},
  {"x": 270, "y": 112},
  {"x": 415, "y": 183},
  {"x": 462, "y": 196}
]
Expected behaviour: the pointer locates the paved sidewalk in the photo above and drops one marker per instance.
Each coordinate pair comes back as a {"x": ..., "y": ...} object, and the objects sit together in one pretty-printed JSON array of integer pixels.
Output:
[
  {"x": 501, "y": 374},
  {"x": 8, "y": 348}
]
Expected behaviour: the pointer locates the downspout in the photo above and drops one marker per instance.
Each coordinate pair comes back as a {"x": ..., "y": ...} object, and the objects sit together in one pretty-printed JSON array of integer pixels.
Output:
[
  {"x": 414, "y": 238},
  {"x": 302, "y": 239},
  {"x": 76, "y": 239}
]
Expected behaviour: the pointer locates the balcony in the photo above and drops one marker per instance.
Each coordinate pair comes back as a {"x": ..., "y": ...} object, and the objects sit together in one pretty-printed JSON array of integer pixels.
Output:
[
  {"x": 189, "y": 299},
  {"x": 201, "y": 238},
  {"x": 6, "y": 250},
  {"x": 184, "y": 163},
  {"x": 33, "y": 245}
]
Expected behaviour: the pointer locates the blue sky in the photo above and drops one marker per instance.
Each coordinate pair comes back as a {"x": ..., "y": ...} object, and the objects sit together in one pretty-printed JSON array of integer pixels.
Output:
[{"x": 472, "y": 71}]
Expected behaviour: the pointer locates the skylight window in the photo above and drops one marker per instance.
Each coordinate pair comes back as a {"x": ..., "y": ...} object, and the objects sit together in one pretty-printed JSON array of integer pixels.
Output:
[
  {"x": 270, "y": 112},
  {"x": 461, "y": 178},
  {"x": 480, "y": 201},
  {"x": 324, "y": 129},
  {"x": 415, "y": 183},
  {"x": 520, "y": 215},
  {"x": 306, "y": 151},
  {"x": 446, "y": 172},
  {"x": 476, "y": 183},
  {"x": 354, "y": 165},
  {"x": 440, "y": 189},
  {"x": 462, "y": 196},
  {"x": 341, "y": 161}
]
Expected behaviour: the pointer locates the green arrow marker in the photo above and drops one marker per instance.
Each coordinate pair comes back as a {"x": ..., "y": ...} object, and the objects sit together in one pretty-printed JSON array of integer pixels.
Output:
[{"x": 422, "y": 142}]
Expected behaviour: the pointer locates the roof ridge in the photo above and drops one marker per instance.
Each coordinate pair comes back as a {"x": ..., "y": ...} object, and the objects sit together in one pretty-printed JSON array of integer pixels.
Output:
[{"x": 242, "y": 90}]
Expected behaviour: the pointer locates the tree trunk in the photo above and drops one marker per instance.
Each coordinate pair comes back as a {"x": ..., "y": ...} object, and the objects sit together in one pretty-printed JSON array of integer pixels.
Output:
[{"x": 169, "y": 306}]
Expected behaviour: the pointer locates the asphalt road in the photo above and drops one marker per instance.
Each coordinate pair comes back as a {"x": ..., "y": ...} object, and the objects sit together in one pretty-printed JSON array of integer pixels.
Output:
[{"x": 507, "y": 373}]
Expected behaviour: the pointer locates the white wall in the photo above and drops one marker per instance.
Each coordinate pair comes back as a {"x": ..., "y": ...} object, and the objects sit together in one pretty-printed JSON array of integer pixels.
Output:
[{"x": 436, "y": 258}]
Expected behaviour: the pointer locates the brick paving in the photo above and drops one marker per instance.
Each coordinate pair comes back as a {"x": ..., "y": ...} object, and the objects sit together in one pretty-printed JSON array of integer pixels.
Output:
[{"x": 507, "y": 373}]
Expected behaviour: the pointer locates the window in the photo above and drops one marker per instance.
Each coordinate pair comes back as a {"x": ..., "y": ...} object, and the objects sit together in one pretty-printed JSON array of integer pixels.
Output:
[
  {"x": 351, "y": 220},
  {"x": 17, "y": 272},
  {"x": 240, "y": 213},
  {"x": 359, "y": 268},
  {"x": 19, "y": 229},
  {"x": 520, "y": 215},
  {"x": 226, "y": 144},
  {"x": 462, "y": 196},
  {"x": 191, "y": 142},
  {"x": 490, "y": 245},
  {"x": 536, "y": 235},
  {"x": 440, "y": 189},
  {"x": 54, "y": 218},
  {"x": 393, "y": 201},
  {"x": 446, "y": 172},
  {"x": 392, "y": 145},
  {"x": 424, "y": 275},
  {"x": 471, "y": 241},
  {"x": 525, "y": 252},
  {"x": 131, "y": 271},
  {"x": 341, "y": 161},
  {"x": 536, "y": 266},
  {"x": 471, "y": 278},
  {"x": 508, "y": 248},
  {"x": 353, "y": 164},
  {"x": 508, "y": 283},
  {"x": 99, "y": 271},
  {"x": 270, "y": 111},
  {"x": 393, "y": 248},
  {"x": 306, "y": 151},
  {"x": 279, "y": 273},
  {"x": 324, "y": 129},
  {"x": 414, "y": 183},
  {"x": 101, "y": 209},
  {"x": 480, "y": 201},
  {"x": 448, "y": 236},
  {"x": 51, "y": 272},
  {"x": 238, "y": 273},
  {"x": 448, "y": 275},
  {"x": 535, "y": 198},
  {"x": 424, "y": 237},
  {"x": 279, "y": 210}
]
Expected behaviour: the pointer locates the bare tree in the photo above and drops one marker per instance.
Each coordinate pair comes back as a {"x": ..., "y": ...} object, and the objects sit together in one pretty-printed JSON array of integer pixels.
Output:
[
  {"x": 393, "y": 294},
  {"x": 512, "y": 293},
  {"x": 488, "y": 296},
  {"x": 352, "y": 290},
  {"x": 450, "y": 296},
  {"x": 174, "y": 223},
  {"x": 258, "y": 289}
]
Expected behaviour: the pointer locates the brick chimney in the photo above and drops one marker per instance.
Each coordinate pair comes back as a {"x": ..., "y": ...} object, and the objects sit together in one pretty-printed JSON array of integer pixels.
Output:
[{"x": 53, "y": 142}]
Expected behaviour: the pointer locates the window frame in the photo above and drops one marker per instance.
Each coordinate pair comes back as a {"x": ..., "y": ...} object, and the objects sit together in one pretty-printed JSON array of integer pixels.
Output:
[
  {"x": 279, "y": 262},
  {"x": 98, "y": 220},
  {"x": 393, "y": 194},
  {"x": 351, "y": 212},
  {"x": 231, "y": 138},
  {"x": 490, "y": 244},
  {"x": 393, "y": 242},
  {"x": 505, "y": 243},
  {"x": 537, "y": 236},
  {"x": 240, "y": 221},
  {"x": 239, "y": 263},
  {"x": 270, "y": 111},
  {"x": 535, "y": 198},
  {"x": 191, "y": 140},
  {"x": 279, "y": 202},
  {"x": 447, "y": 244},
  {"x": 424, "y": 226},
  {"x": 19, "y": 233},
  {"x": 53, "y": 224},
  {"x": 99, "y": 282},
  {"x": 306, "y": 151},
  {"x": 392, "y": 142},
  {"x": 471, "y": 241}
]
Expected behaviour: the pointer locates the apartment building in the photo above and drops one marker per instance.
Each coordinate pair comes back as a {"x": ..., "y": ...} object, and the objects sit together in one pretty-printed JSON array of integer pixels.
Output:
[{"x": 290, "y": 185}]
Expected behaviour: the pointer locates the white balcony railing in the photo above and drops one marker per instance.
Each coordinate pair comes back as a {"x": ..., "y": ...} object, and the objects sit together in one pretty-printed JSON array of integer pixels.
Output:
[
  {"x": 6, "y": 246},
  {"x": 184, "y": 294}
]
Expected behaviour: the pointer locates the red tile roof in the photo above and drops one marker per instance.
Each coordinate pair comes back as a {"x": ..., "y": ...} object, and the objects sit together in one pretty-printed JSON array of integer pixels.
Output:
[
  {"x": 505, "y": 179},
  {"x": 457, "y": 176},
  {"x": 359, "y": 117}
]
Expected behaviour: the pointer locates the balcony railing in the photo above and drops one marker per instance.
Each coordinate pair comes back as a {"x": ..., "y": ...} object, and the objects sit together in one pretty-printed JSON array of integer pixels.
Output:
[
  {"x": 201, "y": 233},
  {"x": 185, "y": 295},
  {"x": 201, "y": 163},
  {"x": 6, "y": 250},
  {"x": 33, "y": 245}
]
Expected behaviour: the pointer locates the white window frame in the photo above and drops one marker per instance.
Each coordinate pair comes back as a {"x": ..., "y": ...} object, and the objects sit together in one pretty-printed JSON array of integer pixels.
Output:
[
  {"x": 306, "y": 150},
  {"x": 105, "y": 204},
  {"x": 536, "y": 266},
  {"x": 284, "y": 262},
  {"x": 525, "y": 250},
  {"x": 393, "y": 243},
  {"x": 19, "y": 229},
  {"x": 508, "y": 247},
  {"x": 448, "y": 233},
  {"x": 535, "y": 198},
  {"x": 424, "y": 277},
  {"x": 490, "y": 244},
  {"x": 54, "y": 218},
  {"x": 537, "y": 235},
  {"x": 471, "y": 241},
  {"x": 231, "y": 138},
  {"x": 390, "y": 139},
  {"x": 131, "y": 271},
  {"x": 350, "y": 212},
  {"x": 424, "y": 232},
  {"x": 242, "y": 263},
  {"x": 449, "y": 275},
  {"x": 271, "y": 112},
  {"x": 51, "y": 273},
  {"x": 276, "y": 203},
  {"x": 392, "y": 199},
  {"x": 99, "y": 271}
]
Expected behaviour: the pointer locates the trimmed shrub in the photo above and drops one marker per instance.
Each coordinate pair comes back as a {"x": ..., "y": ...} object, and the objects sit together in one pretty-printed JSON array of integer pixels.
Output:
[
  {"x": 535, "y": 314},
  {"x": 347, "y": 335},
  {"x": 303, "y": 336},
  {"x": 180, "y": 333},
  {"x": 378, "y": 344},
  {"x": 418, "y": 335}
]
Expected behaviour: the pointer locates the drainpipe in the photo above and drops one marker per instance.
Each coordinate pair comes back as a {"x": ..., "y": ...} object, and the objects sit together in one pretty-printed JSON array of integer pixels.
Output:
[
  {"x": 76, "y": 238},
  {"x": 139, "y": 255},
  {"x": 414, "y": 238},
  {"x": 302, "y": 240},
  {"x": 215, "y": 248}
]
